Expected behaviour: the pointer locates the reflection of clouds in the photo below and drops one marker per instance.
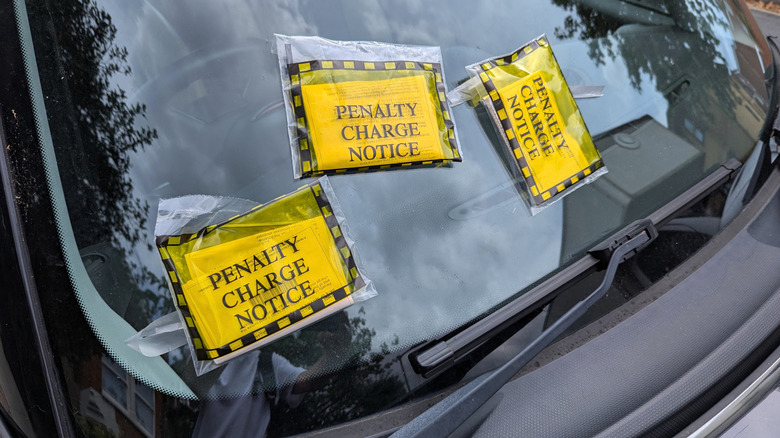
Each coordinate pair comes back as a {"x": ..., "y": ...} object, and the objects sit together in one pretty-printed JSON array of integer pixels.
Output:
[
  {"x": 206, "y": 69},
  {"x": 167, "y": 46},
  {"x": 157, "y": 33},
  {"x": 442, "y": 279},
  {"x": 432, "y": 272}
]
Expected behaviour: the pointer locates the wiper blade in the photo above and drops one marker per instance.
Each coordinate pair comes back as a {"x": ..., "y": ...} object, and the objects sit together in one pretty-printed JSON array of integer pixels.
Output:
[
  {"x": 436, "y": 356},
  {"x": 447, "y": 415}
]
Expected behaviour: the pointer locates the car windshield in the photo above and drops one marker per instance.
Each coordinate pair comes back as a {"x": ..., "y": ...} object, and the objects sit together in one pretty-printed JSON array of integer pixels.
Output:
[{"x": 149, "y": 99}]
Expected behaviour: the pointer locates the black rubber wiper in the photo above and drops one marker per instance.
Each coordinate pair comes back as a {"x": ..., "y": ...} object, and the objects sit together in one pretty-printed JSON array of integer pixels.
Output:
[
  {"x": 444, "y": 417},
  {"x": 438, "y": 355}
]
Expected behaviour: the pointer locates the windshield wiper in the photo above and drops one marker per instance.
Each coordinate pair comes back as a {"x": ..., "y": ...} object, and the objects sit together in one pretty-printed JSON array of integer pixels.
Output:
[
  {"x": 444, "y": 417},
  {"x": 438, "y": 355}
]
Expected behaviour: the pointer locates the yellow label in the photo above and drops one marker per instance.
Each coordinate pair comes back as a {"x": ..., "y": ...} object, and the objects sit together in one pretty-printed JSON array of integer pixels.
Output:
[
  {"x": 260, "y": 272},
  {"x": 551, "y": 153},
  {"x": 355, "y": 124},
  {"x": 242, "y": 285},
  {"x": 539, "y": 119}
]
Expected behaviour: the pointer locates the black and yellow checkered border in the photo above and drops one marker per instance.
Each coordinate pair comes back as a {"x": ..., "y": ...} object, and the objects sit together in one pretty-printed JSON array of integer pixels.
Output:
[
  {"x": 518, "y": 54},
  {"x": 302, "y": 134},
  {"x": 506, "y": 125},
  {"x": 326, "y": 211}
]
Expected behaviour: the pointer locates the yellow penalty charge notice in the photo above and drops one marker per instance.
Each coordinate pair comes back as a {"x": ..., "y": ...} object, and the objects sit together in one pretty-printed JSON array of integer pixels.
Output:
[
  {"x": 265, "y": 273},
  {"x": 538, "y": 118},
  {"x": 355, "y": 116}
]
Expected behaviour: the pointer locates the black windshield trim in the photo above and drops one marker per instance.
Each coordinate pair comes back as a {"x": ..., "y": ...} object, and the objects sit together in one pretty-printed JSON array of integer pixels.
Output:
[
  {"x": 33, "y": 304},
  {"x": 18, "y": 92}
]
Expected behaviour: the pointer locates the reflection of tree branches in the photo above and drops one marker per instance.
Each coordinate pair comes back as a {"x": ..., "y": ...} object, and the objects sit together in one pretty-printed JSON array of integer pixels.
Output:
[
  {"x": 107, "y": 124},
  {"x": 95, "y": 131},
  {"x": 663, "y": 55},
  {"x": 589, "y": 26}
]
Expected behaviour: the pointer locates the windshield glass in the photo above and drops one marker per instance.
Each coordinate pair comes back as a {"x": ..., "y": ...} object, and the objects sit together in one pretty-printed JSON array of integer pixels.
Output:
[{"x": 149, "y": 100}]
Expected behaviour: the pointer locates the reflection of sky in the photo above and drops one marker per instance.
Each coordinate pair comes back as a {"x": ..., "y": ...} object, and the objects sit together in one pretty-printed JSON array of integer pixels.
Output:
[
  {"x": 434, "y": 272},
  {"x": 208, "y": 76}
]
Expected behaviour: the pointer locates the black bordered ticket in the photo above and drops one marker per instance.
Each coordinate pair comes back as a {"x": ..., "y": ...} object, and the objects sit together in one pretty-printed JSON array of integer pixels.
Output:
[
  {"x": 358, "y": 115},
  {"x": 530, "y": 101},
  {"x": 270, "y": 270}
]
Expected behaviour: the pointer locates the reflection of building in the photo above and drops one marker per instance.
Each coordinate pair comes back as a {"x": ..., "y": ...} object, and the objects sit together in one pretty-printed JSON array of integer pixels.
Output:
[
  {"x": 94, "y": 406},
  {"x": 113, "y": 403},
  {"x": 132, "y": 398}
]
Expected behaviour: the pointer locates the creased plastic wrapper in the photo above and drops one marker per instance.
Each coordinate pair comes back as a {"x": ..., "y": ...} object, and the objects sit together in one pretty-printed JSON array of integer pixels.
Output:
[
  {"x": 364, "y": 106},
  {"x": 548, "y": 145},
  {"x": 243, "y": 275}
]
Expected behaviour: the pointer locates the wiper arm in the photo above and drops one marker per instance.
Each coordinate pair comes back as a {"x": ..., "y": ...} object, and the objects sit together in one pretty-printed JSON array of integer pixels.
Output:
[
  {"x": 447, "y": 415},
  {"x": 439, "y": 355}
]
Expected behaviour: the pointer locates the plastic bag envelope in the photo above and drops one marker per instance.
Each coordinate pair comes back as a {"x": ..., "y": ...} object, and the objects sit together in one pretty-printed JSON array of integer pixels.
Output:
[
  {"x": 261, "y": 274},
  {"x": 548, "y": 143},
  {"x": 364, "y": 106}
]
